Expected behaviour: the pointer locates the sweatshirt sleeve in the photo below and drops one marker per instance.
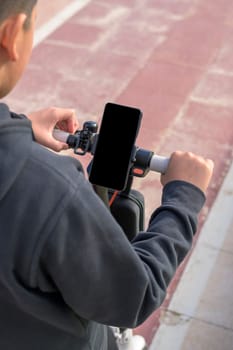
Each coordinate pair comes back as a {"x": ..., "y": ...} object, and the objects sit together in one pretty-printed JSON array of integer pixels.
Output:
[{"x": 105, "y": 278}]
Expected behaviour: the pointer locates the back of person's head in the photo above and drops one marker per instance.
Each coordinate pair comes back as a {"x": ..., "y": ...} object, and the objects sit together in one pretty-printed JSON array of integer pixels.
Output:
[
  {"x": 13, "y": 7},
  {"x": 17, "y": 26}
]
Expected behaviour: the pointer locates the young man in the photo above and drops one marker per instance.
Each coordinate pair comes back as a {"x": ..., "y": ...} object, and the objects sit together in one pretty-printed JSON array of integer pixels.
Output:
[{"x": 66, "y": 267}]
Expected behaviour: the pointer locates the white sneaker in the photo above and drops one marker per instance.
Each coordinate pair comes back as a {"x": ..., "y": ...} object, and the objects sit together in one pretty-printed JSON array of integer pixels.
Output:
[{"x": 126, "y": 340}]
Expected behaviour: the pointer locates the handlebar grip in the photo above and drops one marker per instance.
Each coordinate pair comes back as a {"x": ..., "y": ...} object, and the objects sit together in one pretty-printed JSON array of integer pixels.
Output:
[
  {"x": 60, "y": 135},
  {"x": 159, "y": 164}
]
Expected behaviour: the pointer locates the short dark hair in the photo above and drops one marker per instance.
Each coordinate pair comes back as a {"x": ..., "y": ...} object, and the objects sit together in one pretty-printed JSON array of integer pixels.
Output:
[{"x": 13, "y": 7}]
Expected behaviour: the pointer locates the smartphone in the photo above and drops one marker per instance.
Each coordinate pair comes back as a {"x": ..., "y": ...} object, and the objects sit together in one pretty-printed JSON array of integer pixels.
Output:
[{"x": 112, "y": 159}]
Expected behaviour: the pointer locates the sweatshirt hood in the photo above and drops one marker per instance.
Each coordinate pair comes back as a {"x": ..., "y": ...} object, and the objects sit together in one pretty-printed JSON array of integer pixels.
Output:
[{"x": 15, "y": 147}]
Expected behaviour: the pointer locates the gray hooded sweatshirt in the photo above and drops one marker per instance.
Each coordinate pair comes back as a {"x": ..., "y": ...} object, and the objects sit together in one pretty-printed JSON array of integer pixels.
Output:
[{"x": 66, "y": 267}]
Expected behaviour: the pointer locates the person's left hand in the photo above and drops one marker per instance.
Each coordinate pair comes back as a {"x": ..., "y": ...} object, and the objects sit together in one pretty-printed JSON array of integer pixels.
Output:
[{"x": 44, "y": 121}]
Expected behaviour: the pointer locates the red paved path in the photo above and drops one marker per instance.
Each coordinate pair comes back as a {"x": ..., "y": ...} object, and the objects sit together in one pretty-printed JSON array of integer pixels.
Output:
[{"x": 171, "y": 58}]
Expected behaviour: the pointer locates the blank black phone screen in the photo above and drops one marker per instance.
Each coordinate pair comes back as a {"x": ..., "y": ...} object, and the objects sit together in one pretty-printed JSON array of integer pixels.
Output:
[{"x": 116, "y": 140}]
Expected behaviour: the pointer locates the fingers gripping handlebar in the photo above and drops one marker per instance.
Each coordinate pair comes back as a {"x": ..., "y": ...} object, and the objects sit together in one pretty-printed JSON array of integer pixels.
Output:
[{"x": 84, "y": 141}]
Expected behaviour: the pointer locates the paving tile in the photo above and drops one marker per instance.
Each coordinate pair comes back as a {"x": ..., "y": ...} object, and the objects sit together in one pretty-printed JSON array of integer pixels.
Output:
[
  {"x": 79, "y": 34},
  {"x": 205, "y": 336},
  {"x": 203, "y": 128},
  {"x": 183, "y": 44},
  {"x": 205, "y": 289},
  {"x": 223, "y": 60},
  {"x": 229, "y": 17},
  {"x": 207, "y": 121},
  {"x": 214, "y": 305},
  {"x": 37, "y": 81},
  {"x": 95, "y": 13},
  {"x": 217, "y": 10},
  {"x": 204, "y": 325},
  {"x": 160, "y": 91},
  {"x": 228, "y": 243},
  {"x": 217, "y": 231},
  {"x": 177, "y": 8},
  {"x": 47, "y": 9},
  {"x": 123, "y": 3},
  {"x": 215, "y": 89},
  {"x": 67, "y": 60},
  {"x": 179, "y": 332},
  {"x": 133, "y": 41}
]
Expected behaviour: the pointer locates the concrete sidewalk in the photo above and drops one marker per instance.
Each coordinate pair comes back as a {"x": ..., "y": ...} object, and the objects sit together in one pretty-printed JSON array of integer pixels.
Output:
[{"x": 200, "y": 315}]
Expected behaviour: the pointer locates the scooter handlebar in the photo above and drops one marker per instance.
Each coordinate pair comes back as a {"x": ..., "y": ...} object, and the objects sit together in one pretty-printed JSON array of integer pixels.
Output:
[
  {"x": 157, "y": 163},
  {"x": 60, "y": 135}
]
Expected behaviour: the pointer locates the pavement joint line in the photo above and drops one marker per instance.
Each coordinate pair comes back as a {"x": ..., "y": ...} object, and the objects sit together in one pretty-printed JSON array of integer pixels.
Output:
[
  {"x": 202, "y": 259},
  {"x": 49, "y": 27}
]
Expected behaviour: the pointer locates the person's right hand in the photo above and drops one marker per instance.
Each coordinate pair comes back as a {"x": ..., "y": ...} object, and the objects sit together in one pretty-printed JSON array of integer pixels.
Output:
[{"x": 189, "y": 167}]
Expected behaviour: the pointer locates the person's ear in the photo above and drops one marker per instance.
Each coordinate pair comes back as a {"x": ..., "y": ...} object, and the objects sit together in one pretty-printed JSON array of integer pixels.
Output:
[{"x": 11, "y": 29}]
